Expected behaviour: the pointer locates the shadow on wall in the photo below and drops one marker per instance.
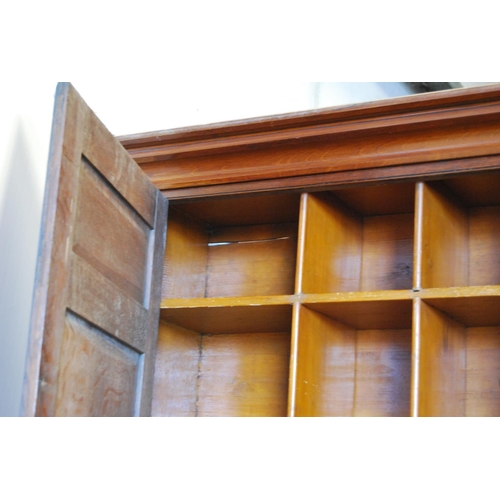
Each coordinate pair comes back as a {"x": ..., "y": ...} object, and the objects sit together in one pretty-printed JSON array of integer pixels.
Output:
[{"x": 20, "y": 215}]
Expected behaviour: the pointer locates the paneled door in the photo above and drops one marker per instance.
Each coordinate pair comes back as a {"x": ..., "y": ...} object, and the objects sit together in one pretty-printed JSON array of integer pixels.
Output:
[{"x": 96, "y": 302}]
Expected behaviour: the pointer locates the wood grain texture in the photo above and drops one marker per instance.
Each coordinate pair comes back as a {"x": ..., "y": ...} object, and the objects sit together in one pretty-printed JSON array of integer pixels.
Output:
[
  {"x": 383, "y": 199},
  {"x": 252, "y": 260},
  {"x": 186, "y": 254},
  {"x": 344, "y": 372},
  {"x": 98, "y": 375},
  {"x": 205, "y": 260},
  {"x": 400, "y": 131},
  {"x": 383, "y": 373},
  {"x": 484, "y": 246},
  {"x": 387, "y": 252},
  {"x": 230, "y": 318},
  {"x": 444, "y": 232},
  {"x": 483, "y": 372},
  {"x": 365, "y": 314},
  {"x": 325, "y": 366},
  {"x": 176, "y": 372},
  {"x": 86, "y": 267},
  {"x": 244, "y": 210},
  {"x": 467, "y": 308},
  {"x": 332, "y": 246},
  {"x": 442, "y": 364},
  {"x": 105, "y": 222},
  {"x": 244, "y": 375}
]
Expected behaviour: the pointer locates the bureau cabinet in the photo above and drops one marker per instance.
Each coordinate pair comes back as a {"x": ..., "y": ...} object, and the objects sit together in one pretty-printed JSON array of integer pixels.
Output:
[{"x": 335, "y": 263}]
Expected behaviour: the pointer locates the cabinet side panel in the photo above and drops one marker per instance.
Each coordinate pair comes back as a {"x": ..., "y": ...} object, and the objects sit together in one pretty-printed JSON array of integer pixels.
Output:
[
  {"x": 325, "y": 366},
  {"x": 185, "y": 265},
  {"x": 444, "y": 232},
  {"x": 483, "y": 372},
  {"x": 332, "y": 247},
  {"x": 176, "y": 372},
  {"x": 442, "y": 364},
  {"x": 244, "y": 375}
]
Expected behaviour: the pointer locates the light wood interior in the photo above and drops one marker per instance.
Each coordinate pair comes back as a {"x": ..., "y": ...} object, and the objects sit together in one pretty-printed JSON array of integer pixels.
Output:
[
  {"x": 358, "y": 240},
  {"x": 396, "y": 290},
  {"x": 227, "y": 374},
  {"x": 460, "y": 232},
  {"x": 345, "y": 371},
  {"x": 232, "y": 250},
  {"x": 459, "y": 366}
]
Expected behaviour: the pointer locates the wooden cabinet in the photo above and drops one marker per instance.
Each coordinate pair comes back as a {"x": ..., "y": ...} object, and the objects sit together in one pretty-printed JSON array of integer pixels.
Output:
[{"x": 336, "y": 263}]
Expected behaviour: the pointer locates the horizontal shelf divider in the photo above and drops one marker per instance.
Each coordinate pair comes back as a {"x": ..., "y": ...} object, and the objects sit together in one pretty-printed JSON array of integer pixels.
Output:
[{"x": 206, "y": 302}]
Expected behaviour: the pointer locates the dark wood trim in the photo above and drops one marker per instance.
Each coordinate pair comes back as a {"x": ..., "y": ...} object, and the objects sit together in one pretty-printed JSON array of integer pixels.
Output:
[{"x": 393, "y": 138}]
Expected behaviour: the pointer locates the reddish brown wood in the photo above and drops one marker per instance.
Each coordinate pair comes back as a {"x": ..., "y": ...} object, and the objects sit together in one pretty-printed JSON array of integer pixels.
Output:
[{"x": 227, "y": 158}]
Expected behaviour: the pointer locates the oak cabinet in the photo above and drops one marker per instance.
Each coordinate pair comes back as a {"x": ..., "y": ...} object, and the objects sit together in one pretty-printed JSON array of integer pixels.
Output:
[{"x": 335, "y": 263}]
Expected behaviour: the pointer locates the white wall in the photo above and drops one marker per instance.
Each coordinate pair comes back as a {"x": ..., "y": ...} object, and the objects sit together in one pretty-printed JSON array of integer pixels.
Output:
[{"x": 25, "y": 124}]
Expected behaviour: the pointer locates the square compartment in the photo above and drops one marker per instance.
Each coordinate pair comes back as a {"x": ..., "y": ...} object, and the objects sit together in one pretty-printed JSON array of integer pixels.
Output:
[
  {"x": 230, "y": 248},
  {"x": 354, "y": 359},
  {"x": 223, "y": 361},
  {"x": 459, "y": 358},
  {"x": 358, "y": 240}
]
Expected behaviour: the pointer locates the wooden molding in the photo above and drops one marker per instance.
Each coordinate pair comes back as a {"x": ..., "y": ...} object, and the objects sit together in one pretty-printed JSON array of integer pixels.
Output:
[{"x": 425, "y": 134}]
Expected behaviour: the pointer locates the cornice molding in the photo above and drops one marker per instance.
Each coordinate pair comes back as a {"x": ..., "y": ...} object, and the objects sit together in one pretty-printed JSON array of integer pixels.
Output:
[{"x": 423, "y": 128}]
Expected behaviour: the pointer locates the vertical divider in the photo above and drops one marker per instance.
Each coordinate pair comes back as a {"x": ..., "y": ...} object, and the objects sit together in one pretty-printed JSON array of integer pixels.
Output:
[
  {"x": 301, "y": 243},
  {"x": 415, "y": 358},
  {"x": 417, "y": 249},
  {"x": 294, "y": 348}
]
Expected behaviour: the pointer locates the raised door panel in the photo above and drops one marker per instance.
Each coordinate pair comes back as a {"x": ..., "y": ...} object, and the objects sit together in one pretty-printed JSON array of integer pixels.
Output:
[{"x": 96, "y": 304}]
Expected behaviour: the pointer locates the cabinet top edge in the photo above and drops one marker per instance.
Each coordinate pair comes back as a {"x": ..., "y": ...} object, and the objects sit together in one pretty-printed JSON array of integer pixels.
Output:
[{"x": 294, "y": 121}]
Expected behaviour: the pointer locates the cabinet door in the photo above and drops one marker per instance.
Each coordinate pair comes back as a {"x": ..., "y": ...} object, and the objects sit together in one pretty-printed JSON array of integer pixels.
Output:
[{"x": 96, "y": 302}]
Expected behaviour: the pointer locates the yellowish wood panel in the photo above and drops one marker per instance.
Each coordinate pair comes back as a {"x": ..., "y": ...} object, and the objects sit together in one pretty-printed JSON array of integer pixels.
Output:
[
  {"x": 185, "y": 265},
  {"x": 245, "y": 210},
  {"x": 441, "y": 374},
  {"x": 325, "y": 366},
  {"x": 484, "y": 246},
  {"x": 369, "y": 314},
  {"x": 387, "y": 258},
  {"x": 236, "y": 319},
  {"x": 483, "y": 372},
  {"x": 383, "y": 373},
  {"x": 384, "y": 199},
  {"x": 443, "y": 227},
  {"x": 481, "y": 310},
  {"x": 332, "y": 246},
  {"x": 252, "y": 260},
  {"x": 176, "y": 372},
  {"x": 244, "y": 375}
]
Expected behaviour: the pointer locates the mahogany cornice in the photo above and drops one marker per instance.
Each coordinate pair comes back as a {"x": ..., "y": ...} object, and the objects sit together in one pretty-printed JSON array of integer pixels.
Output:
[{"x": 420, "y": 135}]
